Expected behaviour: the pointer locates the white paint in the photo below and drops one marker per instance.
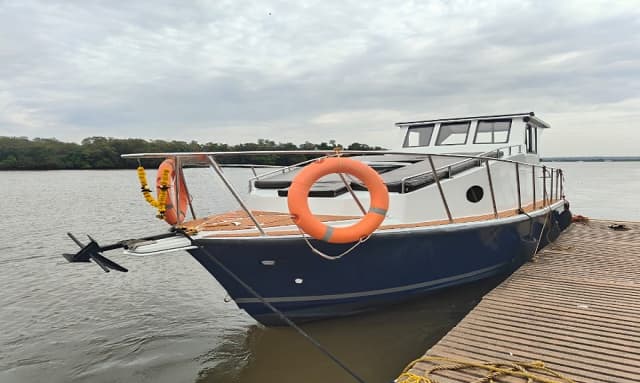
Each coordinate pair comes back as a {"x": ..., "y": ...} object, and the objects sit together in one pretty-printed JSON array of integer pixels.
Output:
[{"x": 426, "y": 204}]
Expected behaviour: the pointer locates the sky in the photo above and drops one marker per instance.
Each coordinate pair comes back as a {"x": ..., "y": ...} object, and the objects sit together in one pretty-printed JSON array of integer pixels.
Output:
[{"x": 237, "y": 71}]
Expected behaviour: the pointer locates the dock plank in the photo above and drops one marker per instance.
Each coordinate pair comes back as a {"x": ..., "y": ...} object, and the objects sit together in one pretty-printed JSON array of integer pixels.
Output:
[{"x": 576, "y": 307}]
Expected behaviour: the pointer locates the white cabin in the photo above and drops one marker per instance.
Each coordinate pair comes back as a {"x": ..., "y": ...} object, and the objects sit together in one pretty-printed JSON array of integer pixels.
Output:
[{"x": 452, "y": 154}]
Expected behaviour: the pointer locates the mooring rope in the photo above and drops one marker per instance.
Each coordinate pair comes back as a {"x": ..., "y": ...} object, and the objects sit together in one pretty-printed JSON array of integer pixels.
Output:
[
  {"x": 280, "y": 314},
  {"x": 528, "y": 371},
  {"x": 11, "y": 260}
]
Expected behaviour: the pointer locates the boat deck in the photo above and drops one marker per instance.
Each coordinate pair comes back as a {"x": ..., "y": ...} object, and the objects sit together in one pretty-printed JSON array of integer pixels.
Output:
[
  {"x": 575, "y": 307},
  {"x": 238, "y": 223}
]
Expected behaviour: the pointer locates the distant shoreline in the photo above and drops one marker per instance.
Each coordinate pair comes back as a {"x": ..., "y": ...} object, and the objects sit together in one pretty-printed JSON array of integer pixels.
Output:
[
  {"x": 258, "y": 165},
  {"x": 592, "y": 159},
  {"x": 104, "y": 153}
]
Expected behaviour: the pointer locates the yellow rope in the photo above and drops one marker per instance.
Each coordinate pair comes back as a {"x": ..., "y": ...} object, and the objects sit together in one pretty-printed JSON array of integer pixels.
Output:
[
  {"x": 524, "y": 370},
  {"x": 161, "y": 202}
]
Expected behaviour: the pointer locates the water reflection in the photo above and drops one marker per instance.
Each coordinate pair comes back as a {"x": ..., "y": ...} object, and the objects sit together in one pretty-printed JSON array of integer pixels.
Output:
[
  {"x": 375, "y": 345},
  {"x": 226, "y": 361}
]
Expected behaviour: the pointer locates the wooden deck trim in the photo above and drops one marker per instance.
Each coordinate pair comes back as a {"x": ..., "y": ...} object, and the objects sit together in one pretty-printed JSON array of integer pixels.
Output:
[{"x": 279, "y": 224}]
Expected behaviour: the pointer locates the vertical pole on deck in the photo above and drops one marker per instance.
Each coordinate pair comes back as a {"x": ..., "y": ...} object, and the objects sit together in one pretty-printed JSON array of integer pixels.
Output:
[
  {"x": 544, "y": 186},
  {"x": 557, "y": 184},
  {"x": 493, "y": 195},
  {"x": 353, "y": 194},
  {"x": 186, "y": 190},
  {"x": 551, "y": 187},
  {"x": 533, "y": 184},
  {"x": 435, "y": 177},
  {"x": 213, "y": 165},
  {"x": 518, "y": 186}
]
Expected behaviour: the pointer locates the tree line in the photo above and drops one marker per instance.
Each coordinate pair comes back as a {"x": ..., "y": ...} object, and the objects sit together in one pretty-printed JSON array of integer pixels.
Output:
[{"x": 22, "y": 153}]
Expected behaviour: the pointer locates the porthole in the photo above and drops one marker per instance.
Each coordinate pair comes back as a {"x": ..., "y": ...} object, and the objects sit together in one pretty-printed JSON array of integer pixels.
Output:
[{"x": 475, "y": 194}]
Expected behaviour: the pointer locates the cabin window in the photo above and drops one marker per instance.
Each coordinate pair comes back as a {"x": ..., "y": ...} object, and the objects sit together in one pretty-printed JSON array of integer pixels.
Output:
[
  {"x": 492, "y": 132},
  {"x": 531, "y": 139},
  {"x": 419, "y": 135},
  {"x": 454, "y": 133}
]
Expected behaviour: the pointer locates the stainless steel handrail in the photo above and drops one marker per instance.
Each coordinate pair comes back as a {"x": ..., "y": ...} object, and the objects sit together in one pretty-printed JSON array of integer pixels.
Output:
[
  {"x": 467, "y": 158},
  {"x": 284, "y": 169},
  {"x": 209, "y": 159},
  {"x": 518, "y": 186},
  {"x": 201, "y": 157},
  {"x": 493, "y": 194},
  {"x": 213, "y": 165},
  {"x": 558, "y": 182},
  {"x": 533, "y": 184},
  {"x": 186, "y": 190},
  {"x": 551, "y": 186},
  {"x": 353, "y": 194},
  {"x": 544, "y": 186},
  {"x": 437, "y": 179}
]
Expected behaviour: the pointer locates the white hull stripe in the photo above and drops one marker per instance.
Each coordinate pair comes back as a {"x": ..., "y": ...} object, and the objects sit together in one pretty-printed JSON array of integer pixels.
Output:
[{"x": 371, "y": 292}]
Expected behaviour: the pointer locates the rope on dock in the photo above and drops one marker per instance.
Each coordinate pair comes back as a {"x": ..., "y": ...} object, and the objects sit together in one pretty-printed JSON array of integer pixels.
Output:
[{"x": 528, "y": 371}]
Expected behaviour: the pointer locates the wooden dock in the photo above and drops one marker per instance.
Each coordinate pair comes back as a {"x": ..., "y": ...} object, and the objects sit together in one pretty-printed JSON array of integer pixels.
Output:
[{"x": 575, "y": 307}]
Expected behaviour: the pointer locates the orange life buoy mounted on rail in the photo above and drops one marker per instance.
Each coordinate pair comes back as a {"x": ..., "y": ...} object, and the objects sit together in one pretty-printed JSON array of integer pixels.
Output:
[
  {"x": 172, "y": 214},
  {"x": 299, "y": 206}
]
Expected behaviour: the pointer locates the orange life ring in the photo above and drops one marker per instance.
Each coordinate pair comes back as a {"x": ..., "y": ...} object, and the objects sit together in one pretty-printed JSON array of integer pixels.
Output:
[
  {"x": 172, "y": 215},
  {"x": 299, "y": 206}
]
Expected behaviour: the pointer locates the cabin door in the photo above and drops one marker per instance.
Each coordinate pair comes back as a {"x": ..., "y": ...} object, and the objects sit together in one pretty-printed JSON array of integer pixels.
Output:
[{"x": 531, "y": 139}]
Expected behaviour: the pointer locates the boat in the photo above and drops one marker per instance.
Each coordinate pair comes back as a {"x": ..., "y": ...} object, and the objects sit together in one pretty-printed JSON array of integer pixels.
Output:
[{"x": 342, "y": 232}]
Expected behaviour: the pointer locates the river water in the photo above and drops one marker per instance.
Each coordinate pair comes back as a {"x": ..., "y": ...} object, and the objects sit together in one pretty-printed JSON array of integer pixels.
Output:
[{"x": 167, "y": 320}]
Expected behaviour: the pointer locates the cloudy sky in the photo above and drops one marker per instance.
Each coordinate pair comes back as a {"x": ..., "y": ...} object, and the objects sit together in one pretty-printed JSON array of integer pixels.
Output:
[{"x": 236, "y": 71}]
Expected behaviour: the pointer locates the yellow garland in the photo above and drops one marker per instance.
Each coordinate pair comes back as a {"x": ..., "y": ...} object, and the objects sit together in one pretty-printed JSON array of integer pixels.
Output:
[
  {"x": 161, "y": 202},
  {"x": 163, "y": 193}
]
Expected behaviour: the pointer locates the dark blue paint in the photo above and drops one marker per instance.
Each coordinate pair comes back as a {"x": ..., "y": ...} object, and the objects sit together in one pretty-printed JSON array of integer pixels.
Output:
[{"x": 386, "y": 260}]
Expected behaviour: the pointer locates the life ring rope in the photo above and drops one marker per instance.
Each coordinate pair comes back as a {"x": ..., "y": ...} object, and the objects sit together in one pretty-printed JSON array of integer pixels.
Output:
[{"x": 332, "y": 257}]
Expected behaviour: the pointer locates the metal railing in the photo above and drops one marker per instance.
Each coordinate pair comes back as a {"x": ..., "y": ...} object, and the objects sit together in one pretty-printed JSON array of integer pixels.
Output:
[
  {"x": 449, "y": 167},
  {"x": 556, "y": 190}
]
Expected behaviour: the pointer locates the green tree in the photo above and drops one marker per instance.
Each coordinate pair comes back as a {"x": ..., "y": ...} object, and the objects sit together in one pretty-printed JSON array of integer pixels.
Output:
[{"x": 21, "y": 153}]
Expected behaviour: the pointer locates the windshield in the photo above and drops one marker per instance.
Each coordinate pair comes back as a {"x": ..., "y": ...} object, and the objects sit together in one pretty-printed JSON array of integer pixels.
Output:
[
  {"x": 419, "y": 135},
  {"x": 454, "y": 133}
]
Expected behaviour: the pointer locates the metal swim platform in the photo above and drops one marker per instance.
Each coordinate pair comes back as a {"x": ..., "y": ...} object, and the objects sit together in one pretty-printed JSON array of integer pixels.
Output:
[{"x": 576, "y": 307}]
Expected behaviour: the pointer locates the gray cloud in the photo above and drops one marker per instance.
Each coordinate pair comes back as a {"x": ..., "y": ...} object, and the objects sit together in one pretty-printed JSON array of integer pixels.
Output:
[{"x": 237, "y": 71}]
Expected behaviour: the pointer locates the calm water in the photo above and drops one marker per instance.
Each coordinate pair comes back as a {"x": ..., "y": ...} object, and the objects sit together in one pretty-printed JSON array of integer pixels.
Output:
[{"x": 167, "y": 319}]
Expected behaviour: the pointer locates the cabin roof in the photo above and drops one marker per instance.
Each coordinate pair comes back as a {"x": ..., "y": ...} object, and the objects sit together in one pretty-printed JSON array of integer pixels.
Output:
[{"x": 527, "y": 117}]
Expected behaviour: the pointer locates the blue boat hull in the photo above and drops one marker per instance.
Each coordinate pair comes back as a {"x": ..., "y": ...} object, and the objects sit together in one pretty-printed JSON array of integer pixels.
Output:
[{"x": 388, "y": 268}]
